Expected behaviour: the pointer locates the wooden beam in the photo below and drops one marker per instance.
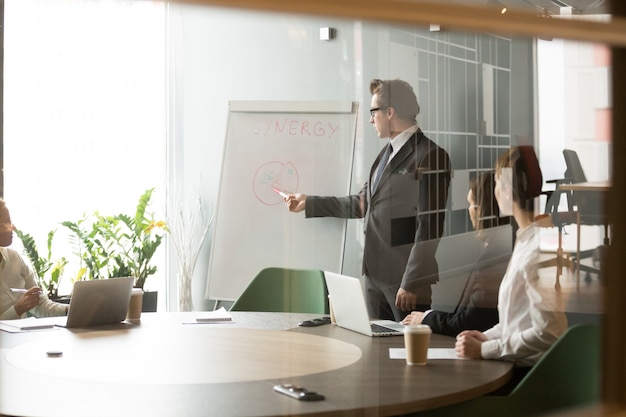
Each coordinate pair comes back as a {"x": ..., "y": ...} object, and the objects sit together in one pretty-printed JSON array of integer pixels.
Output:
[{"x": 464, "y": 17}]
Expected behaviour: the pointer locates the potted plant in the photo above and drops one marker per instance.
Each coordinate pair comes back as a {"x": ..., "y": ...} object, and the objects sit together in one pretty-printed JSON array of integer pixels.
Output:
[
  {"x": 134, "y": 240},
  {"x": 121, "y": 245},
  {"x": 47, "y": 270}
]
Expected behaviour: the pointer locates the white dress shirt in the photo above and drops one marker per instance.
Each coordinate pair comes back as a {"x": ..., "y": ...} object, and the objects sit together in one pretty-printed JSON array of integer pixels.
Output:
[
  {"x": 398, "y": 142},
  {"x": 401, "y": 138},
  {"x": 531, "y": 315}
]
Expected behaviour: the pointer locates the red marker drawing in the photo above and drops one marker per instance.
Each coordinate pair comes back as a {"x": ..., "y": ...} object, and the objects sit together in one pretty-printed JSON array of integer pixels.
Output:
[{"x": 280, "y": 193}]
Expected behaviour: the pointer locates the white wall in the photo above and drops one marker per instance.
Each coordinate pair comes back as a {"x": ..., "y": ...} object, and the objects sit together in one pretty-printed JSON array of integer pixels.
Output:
[{"x": 221, "y": 56}]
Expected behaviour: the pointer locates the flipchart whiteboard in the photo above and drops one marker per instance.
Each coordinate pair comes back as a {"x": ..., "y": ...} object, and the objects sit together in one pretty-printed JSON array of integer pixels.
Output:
[{"x": 305, "y": 147}]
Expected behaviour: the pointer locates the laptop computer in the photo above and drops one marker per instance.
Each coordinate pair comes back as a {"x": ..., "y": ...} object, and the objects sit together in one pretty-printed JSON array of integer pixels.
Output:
[
  {"x": 97, "y": 302},
  {"x": 350, "y": 310}
]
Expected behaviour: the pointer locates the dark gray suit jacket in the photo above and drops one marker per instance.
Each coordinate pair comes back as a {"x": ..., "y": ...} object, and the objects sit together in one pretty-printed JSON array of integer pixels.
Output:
[
  {"x": 404, "y": 217},
  {"x": 478, "y": 306}
]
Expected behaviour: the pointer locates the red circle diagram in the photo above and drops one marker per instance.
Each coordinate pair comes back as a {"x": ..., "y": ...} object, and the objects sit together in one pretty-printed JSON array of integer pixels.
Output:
[{"x": 273, "y": 177}]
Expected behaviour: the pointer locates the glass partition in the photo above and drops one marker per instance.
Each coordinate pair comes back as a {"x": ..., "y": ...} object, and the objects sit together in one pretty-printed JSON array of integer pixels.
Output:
[{"x": 479, "y": 95}]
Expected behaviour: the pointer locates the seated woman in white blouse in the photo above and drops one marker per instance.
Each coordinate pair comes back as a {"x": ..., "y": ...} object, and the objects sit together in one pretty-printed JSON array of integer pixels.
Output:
[
  {"x": 14, "y": 273},
  {"x": 529, "y": 319}
]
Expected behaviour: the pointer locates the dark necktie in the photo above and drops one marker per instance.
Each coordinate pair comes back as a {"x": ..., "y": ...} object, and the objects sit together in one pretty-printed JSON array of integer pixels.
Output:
[{"x": 381, "y": 166}]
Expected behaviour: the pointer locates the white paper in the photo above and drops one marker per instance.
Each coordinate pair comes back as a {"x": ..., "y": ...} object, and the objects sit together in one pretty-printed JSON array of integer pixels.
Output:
[
  {"x": 433, "y": 353},
  {"x": 210, "y": 317},
  {"x": 25, "y": 325}
]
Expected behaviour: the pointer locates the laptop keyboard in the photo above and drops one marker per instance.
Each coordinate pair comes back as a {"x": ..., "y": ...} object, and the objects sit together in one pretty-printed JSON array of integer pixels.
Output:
[{"x": 382, "y": 330}]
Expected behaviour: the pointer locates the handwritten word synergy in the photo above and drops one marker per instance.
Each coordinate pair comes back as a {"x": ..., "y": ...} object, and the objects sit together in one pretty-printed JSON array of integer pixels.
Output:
[{"x": 294, "y": 127}]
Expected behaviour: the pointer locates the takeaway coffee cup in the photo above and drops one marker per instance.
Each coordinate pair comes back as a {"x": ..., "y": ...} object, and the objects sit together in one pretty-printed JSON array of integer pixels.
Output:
[
  {"x": 134, "y": 307},
  {"x": 416, "y": 342}
]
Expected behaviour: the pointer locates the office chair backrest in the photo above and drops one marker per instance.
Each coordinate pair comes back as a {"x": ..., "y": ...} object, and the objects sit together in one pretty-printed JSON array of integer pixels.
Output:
[
  {"x": 574, "y": 172},
  {"x": 590, "y": 205},
  {"x": 567, "y": 375},
  {"x": 285, "y": 290}
]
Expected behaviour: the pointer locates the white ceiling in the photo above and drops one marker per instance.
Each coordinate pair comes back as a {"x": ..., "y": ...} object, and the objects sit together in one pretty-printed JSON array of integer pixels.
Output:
[{"x": 552, "y": 7}]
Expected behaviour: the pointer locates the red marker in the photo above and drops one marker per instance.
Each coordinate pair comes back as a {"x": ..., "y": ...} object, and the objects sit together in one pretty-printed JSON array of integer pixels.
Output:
[{"x": 280, "y": 193}]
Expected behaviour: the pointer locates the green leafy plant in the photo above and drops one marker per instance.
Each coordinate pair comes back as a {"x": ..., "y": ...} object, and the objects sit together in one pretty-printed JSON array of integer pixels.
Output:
[
  {"x": 47, "y": 270},
  {"x": 88, "y": 238},
  {"x": 135, "y": 238},
  {"x": 121, "y": 245}
]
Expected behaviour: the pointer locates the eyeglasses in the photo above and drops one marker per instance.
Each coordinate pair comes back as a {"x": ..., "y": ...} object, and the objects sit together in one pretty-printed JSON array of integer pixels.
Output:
[{"x": 374, "y": 110}]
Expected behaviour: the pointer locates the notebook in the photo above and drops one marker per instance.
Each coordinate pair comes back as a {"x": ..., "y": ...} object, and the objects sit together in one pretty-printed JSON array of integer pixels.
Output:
[
  {"x": 216, "y": 316},
  {"x": 350, "y": 310},
  {"x": 22, "y": 325},
  {"x": 98, "y": 302}
]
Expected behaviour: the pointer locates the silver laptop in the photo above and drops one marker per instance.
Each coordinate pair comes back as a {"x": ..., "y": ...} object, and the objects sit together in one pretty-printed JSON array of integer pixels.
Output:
[
  {"x": 98, "y": 302},
  {"x": 346, "y": 295}
]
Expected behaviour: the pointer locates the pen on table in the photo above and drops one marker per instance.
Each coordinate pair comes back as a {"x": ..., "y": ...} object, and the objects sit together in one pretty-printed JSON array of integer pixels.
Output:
[
  {"x": 21, "y": 290},
  {"x": 280, "y": 193}
]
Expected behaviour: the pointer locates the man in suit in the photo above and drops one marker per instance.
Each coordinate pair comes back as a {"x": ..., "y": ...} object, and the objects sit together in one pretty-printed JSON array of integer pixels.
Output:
[{"x": 403, "y": 206}]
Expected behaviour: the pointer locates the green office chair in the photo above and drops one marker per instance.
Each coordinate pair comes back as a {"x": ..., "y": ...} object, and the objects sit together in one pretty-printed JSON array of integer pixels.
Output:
[
  {"x": 285, "y": 290},
  {"x": 566, "y": 376}
]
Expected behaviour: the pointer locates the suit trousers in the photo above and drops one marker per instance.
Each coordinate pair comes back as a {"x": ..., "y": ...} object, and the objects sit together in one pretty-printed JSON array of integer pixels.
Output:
[{"x": 381, "y": 301}]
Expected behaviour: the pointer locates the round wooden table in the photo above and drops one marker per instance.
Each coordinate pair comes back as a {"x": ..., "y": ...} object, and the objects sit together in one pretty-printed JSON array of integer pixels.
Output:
[{"x": 163, "y": 367}]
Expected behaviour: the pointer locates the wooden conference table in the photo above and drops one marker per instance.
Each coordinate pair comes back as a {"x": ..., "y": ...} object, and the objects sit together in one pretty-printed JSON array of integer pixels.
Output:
[{"x": 163, "y": 367}]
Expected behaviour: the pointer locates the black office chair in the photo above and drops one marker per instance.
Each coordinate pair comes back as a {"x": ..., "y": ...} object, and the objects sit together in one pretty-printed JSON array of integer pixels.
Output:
[
  {"x": 574, "y": 172},
  {"x": 590, "y": 211},
  {"x": 552, "y": 217}
]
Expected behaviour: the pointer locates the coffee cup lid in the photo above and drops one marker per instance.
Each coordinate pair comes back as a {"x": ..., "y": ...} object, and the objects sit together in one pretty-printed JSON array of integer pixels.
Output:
[{"x": 417, "y": 328}]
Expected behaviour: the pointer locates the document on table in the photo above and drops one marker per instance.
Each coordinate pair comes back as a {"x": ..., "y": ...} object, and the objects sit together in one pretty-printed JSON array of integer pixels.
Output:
[
  {"x": 27, "y": 324},
  {"x": 433, "y": 353},
  {"x": 217, "y": 316}
]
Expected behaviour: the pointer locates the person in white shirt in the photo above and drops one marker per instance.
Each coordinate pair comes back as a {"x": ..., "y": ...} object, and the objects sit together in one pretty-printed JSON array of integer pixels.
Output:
[
  {"x": 530, "y": 321},
  {"x": 14, "y": 273}
]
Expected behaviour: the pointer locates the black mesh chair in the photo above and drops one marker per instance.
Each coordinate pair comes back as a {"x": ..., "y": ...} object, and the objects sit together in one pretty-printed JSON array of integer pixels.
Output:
[
  {"x": 590, "y": 210},
  {"x": 553, "y": 217},
  {"x": 574, "y": 173}
]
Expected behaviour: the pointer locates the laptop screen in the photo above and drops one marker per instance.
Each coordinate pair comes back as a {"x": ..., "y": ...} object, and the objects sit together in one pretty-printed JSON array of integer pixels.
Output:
[
  {"x": 98, "y": 302},
  {"x": 349, "y": 308}
]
